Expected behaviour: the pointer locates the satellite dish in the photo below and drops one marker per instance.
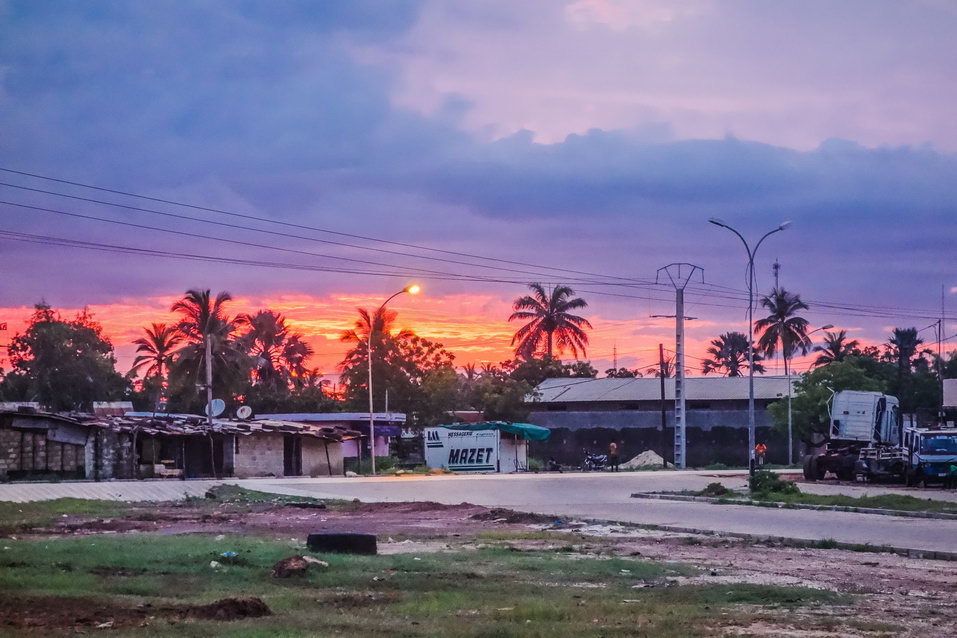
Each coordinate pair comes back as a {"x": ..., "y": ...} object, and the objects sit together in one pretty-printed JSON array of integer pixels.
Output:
[
  {"x": 244, "y": 412},
  {"x": 217, "y": 407}
]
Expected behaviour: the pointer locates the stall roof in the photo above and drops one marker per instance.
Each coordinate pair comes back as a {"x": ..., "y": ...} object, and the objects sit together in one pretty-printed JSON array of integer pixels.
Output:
[
  {"x": 524, "y": 430},
  {"x": 192, "y": 425}
]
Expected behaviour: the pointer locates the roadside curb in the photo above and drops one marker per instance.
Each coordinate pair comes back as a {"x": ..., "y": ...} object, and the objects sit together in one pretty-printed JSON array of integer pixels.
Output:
[
  {"x": 788, "y": 541},
  {"x": 795, "y": 506},
  {"x": 906, "y": 552}
]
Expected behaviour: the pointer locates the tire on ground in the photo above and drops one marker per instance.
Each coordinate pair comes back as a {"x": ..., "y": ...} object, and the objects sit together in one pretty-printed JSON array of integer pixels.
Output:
[{"x": 342, "y": 543}]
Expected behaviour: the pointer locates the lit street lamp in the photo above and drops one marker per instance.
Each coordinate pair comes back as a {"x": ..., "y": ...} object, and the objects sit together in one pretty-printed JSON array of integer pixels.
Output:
[
  {"x": 751, "y": 254},
  {"x": 412, "y": 289},
  {"x": 791, "y": 436}
]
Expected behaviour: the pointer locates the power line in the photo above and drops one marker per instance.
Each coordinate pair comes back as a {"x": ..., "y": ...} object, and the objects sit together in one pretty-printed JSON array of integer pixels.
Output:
[
  {"x": 711, "y": 290},
  {"x": 297, "y": 226}
]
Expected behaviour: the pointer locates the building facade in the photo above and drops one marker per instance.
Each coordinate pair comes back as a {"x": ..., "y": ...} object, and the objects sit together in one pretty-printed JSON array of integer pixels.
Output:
[{"x": 638, "y": 415}]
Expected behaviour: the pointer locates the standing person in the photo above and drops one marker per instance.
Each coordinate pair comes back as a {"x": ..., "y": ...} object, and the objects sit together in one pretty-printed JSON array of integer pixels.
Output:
[
  {"x": 760, "y": 450},
  {"x": 613, "y": 456}
]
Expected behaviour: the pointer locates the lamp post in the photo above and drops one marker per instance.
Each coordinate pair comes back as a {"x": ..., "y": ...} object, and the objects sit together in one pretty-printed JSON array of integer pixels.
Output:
[
  {"x": 751, "y": 254},
  {"x": 790, "y": 435},
  {"x": 412, "y": 289}
]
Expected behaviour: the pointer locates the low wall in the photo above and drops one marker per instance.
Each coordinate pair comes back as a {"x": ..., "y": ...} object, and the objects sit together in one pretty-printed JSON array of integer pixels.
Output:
[{"x": 712, "y": 436}]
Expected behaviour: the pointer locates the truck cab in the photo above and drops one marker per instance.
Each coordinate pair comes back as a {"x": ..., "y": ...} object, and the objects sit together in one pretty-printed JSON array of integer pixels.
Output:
[{"x": 931, "y": 455}]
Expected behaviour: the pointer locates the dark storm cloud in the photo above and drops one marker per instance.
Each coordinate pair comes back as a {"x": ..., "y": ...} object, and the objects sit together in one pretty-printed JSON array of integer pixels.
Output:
[{"x": 271, "y": 108}]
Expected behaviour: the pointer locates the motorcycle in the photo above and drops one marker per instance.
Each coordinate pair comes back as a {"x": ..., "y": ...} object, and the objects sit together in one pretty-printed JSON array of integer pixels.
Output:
[{"x": 593, "y": 462}]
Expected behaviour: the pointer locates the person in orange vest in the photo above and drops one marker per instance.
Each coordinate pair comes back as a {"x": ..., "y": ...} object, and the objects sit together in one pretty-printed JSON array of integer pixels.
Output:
[
  {"x": 759, "y": 451},
  {"x": 613, "y": 456}
]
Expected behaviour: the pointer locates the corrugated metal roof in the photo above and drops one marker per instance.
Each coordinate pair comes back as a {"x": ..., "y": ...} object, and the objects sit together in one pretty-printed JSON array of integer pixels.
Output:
[
  {"x": 649, "y": 389},
  {"x": 326, "y": 417},
  {"x": 187, "y": 425}
]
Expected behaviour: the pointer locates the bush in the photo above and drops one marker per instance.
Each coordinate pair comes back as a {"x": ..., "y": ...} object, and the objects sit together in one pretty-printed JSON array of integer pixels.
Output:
[
  {"x": 535, "y": 464},
  {"x": 714, "y": 489},
  {"x": 763, "y": 482}
]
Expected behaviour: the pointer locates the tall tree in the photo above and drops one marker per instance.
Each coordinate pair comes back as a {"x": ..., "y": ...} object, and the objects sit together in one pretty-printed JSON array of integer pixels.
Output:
[
  {"x": 729, "y": 355},
  {"x": 903, "y": 345},
  {"x": 783, "y": 328},
  {"x": 813, "y": 392},
  {"x": 836, "y": 348},
  {"x": 203, "y": 320},
  {"x": 401, "y": 364},
  {"x": 63, "y": 365},
  {"x": 157, "y": 346},
  {"x": 550, "y": 322},
  {"x": 278, "y": 354}
]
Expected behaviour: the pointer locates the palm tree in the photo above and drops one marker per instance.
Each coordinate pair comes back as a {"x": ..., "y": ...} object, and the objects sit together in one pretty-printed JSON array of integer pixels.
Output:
[
  {"x": 836, "y": 348},
  {"x": 159, "y": 344},
  {"x": 665, "y": 369},
  {"x": 203, "y": 321},
  {"x": 902, "y": 346},
  {"x": 729, "y": 354},
  {"x": 355, "y": 364},
  {"x": 550, "y": 322},
  {"x": 158, "y": 347},
  {"x": 783, "y": 326},
  {"x": 278, "y": 354}
]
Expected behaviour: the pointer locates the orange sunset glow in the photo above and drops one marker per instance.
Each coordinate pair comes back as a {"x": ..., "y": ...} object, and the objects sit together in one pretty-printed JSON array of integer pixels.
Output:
[{"x": 473, "y": 327}]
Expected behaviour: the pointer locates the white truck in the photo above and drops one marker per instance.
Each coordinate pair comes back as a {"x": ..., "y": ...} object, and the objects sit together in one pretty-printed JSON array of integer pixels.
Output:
[
  {"x": 858, "y": 421},
  {"x": 867, "y": 443}
]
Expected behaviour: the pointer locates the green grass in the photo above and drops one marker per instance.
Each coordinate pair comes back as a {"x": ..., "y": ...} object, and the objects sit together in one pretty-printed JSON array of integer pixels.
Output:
[
  {"x": 486, "y": 592},
  {"x": 900, "y": 502},
  {"x": 17, "y": 516}
]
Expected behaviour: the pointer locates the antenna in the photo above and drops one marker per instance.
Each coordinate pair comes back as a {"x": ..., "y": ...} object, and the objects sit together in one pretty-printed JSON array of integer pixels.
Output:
[
  {"x": 244, "y": 412},
  {"x": 215, "y": 408}
]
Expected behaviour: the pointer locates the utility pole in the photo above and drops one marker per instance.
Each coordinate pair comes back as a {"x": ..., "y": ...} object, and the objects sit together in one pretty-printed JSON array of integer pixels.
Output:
[
  {"x": 940, "y": 362},
  {"x": 664, "y": 415},
  {"x": 776, "y": 269},
  {"x": 614, "y": 357},
  {"x": 209, "y": 381},
  {"x": 679, "y": 274}
]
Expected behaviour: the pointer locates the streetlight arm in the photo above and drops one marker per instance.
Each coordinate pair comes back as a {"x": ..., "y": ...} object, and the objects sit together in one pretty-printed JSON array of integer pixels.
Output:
[
  {"x": 766, "y": 235},
  {"x": 740, "y": 236}
]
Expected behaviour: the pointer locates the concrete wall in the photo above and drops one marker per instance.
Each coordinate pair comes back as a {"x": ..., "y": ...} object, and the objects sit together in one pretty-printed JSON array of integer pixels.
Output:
[
  {"x": 262, "y": 455},
  {"x": 713, "y": 436},
  {"x": 258, "y": 455},
  {"x": 109, "y": 455},
  {"x": 30, "y": 452},
  {"x": 314, "y": 461}
]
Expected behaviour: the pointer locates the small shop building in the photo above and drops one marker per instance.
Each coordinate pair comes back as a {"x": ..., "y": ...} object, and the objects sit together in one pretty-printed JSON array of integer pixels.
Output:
[{"x": 485, "y": 447}]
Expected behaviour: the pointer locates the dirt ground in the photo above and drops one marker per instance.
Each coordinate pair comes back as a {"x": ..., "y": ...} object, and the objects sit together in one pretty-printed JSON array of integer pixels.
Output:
[{"x": 894, "y": 592}]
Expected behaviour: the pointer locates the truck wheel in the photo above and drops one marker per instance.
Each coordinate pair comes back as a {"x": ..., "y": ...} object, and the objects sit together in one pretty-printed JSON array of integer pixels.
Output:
[
  {"x": 909, "y": 478},
  {"x": 810, "y": 467}
]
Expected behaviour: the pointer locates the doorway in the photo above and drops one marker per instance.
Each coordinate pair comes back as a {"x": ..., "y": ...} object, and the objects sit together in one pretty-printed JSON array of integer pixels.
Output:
[{"x": 292, "y": 455}]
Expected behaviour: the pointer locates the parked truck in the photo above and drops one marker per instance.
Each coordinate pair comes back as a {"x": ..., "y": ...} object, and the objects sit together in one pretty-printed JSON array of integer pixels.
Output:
[
  {"x": 858, "y": 420},
  {"x": 866, "y": 442}
]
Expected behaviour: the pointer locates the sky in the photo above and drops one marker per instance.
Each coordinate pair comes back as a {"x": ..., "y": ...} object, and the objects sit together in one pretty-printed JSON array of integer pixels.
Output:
[{"x": 315, "y": 157}]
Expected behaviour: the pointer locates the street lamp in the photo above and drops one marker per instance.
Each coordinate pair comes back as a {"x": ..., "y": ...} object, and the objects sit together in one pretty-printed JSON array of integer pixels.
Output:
[
  {"x": 751, "y": 254},
  {"x": 412, "y": 289},
  {"x": 791, "y": 436}
]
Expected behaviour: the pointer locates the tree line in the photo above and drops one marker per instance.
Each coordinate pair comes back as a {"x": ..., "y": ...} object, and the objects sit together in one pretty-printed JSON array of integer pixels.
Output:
[{"x": 259, "y": 360}]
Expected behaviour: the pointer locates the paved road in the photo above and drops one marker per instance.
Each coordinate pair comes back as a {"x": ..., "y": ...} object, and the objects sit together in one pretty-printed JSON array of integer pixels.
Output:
[{"x": 604, "y": 496}]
